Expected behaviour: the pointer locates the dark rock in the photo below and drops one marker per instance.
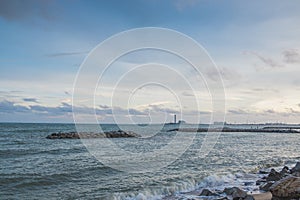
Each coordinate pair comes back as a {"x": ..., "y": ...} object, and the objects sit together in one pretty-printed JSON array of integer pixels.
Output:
[
  {"x": 249, "y": 197},
  {"x": 235, "y": 192},
  {"x": 296, "y": 169},
  {"x": 260, "y": 181},
  {"x": 222, "y": 198},
  {"x": 287, "y": 188},
  {"x": 264, "y": 171},
  {"x": 274, "y": 176},
  {"x": 228, "y": 191},
  {"x": 206, "y": 192},
  {"x": 266, "y": 186},
  {"x": 248, "y": 183},
  {"x": 111, "y": 134},
  {"x": 285, "y": 171}
]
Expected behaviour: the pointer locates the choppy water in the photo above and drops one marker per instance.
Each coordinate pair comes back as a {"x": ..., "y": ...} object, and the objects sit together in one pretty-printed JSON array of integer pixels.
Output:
[{"x": 32, "y": 167}]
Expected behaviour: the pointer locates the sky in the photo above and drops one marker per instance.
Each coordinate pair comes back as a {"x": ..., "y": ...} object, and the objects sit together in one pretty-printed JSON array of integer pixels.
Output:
[{"x": 254, "y": 44}]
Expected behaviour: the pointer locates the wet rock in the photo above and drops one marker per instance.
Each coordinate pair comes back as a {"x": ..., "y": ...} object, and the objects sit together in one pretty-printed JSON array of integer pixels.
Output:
[
  {"x": 284, "y": 171},
  {"x": 288, "y": 187},
  {"x": 75, "y": 135},
  {"x": 249, "y": 197},
  {"x": 235, "y": 192},
  {"x": 206, "y": 192},
  {"x": 248, "y": 183},
  {"x": 261, "y": 181},
  {"x": 222, "y": 198},
  {"x": 296, "y": 169},
  {"x": 266, "y": 186},
  {"x": 274, "y": 175},
  {"x": 263, "y": 196},
  {"x": 70, "y": 135},
  {"x": 264, "y": 171}
]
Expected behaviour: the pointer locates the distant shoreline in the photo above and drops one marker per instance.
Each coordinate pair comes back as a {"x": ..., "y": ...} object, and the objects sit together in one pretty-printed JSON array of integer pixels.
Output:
[{"x": 226, "y": 129}]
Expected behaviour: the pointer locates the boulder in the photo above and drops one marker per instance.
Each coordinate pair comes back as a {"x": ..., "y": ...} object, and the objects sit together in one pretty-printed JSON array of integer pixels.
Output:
[
  {"x": 288, "y": 187},
  {"x": 266, "y": 186},
  {"x": 263, "y": 196},
  {"x": 235, "y": 192},
  {"x": 284, "y": 171},
  {"x": 296, "y": 169},
  {"x": 206, "y": 192},
  {"x": 249, "y": 197},
  {"x": 260, "y": 181},
  {"x": 274, "y": 176}
]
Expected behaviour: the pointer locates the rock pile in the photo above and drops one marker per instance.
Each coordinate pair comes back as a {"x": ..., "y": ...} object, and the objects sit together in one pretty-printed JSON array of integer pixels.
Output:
[
  {"x": 283, "y": 185},
  {"x": 85, "y": 135}
]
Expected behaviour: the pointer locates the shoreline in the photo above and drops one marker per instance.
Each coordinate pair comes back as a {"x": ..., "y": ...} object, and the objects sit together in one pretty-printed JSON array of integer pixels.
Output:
[{"x": 266, "y": 184}]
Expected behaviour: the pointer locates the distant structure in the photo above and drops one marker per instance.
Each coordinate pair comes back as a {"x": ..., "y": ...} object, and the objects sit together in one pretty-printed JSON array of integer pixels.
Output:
[
  {"x": 181, "y": 122},
  {"x": 220, "y": 123},
  {"x": 175, "y": 121}
]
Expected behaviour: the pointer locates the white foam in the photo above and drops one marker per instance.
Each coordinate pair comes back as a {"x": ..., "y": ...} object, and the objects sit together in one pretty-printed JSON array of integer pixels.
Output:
[{"x": 188, "y": 189}]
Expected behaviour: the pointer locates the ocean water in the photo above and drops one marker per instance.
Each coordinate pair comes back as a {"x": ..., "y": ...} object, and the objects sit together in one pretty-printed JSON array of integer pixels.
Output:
[{"x": 33, "y": 167}]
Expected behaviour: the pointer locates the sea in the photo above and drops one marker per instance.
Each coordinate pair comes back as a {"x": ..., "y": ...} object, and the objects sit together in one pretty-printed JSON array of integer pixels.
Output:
[{"x": 33, "y": 167}]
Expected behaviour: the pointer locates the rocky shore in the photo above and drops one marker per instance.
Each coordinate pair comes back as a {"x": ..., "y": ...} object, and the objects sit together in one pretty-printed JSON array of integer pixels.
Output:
[
  {"x": 86, "y": 135},
  {"x": 227, "y": 129},
  {"x": 273, "y": 185}
]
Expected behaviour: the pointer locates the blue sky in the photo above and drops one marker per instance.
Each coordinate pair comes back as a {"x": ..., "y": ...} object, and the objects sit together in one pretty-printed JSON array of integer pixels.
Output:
[{"x": 255, "y": 44}]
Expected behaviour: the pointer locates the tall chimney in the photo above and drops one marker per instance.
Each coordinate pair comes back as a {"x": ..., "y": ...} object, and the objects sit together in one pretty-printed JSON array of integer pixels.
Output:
[{"x": 174, "y": 119}]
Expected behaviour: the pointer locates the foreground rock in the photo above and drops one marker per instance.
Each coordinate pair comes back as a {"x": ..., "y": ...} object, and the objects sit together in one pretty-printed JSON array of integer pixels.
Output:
[
  {"x": 296, "y": 170},
  {"x": 206, "y": 192},
  {"x": 110, "y": 134},
  {"x": 274, "y": 176},
  {"x": 284, "y": 185},
  {"x": 286, "y": 188},
  {"x": 274, "y": 185},
  {"x": 237, "y": 194},
  {"x": 263, "y": 196}
]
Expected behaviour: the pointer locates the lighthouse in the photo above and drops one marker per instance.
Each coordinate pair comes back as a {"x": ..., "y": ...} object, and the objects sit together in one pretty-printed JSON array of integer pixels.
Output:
[{"x": 175, "y": 119}]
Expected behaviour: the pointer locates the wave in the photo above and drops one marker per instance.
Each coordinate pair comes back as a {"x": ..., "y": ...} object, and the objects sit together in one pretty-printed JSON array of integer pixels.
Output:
[{"x": 186, "y": 190}]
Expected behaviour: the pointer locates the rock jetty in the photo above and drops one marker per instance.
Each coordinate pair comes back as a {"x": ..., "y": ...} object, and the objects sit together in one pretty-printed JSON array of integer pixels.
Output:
[
  {"x": 227, "y": 129},
  {"x": 86, "y": 135}
]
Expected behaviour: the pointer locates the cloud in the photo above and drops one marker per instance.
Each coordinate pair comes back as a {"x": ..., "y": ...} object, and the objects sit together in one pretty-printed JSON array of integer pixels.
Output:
[
  {"x": 224, "y": 72},
  {"x": 183, "y": 4},
  {"x": 292, "y": 111},
  {"x": 291, "y": 56},
  {"x": 270, "y": 111},
  {"x": 34, "y": 100},
  {"x": 64, "y": 111},
  {"x": 187, "y": 94},
  {"x": 66, "y": 54},
  {"x": 237, "y": 112},
  {"x": 265, "y": 90},
  {"x": 269, "y": 62},
  {"x": 11, "y": 107},
  {"x": 64, "y": 108},
  {"x": 20, "y": 10}
]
